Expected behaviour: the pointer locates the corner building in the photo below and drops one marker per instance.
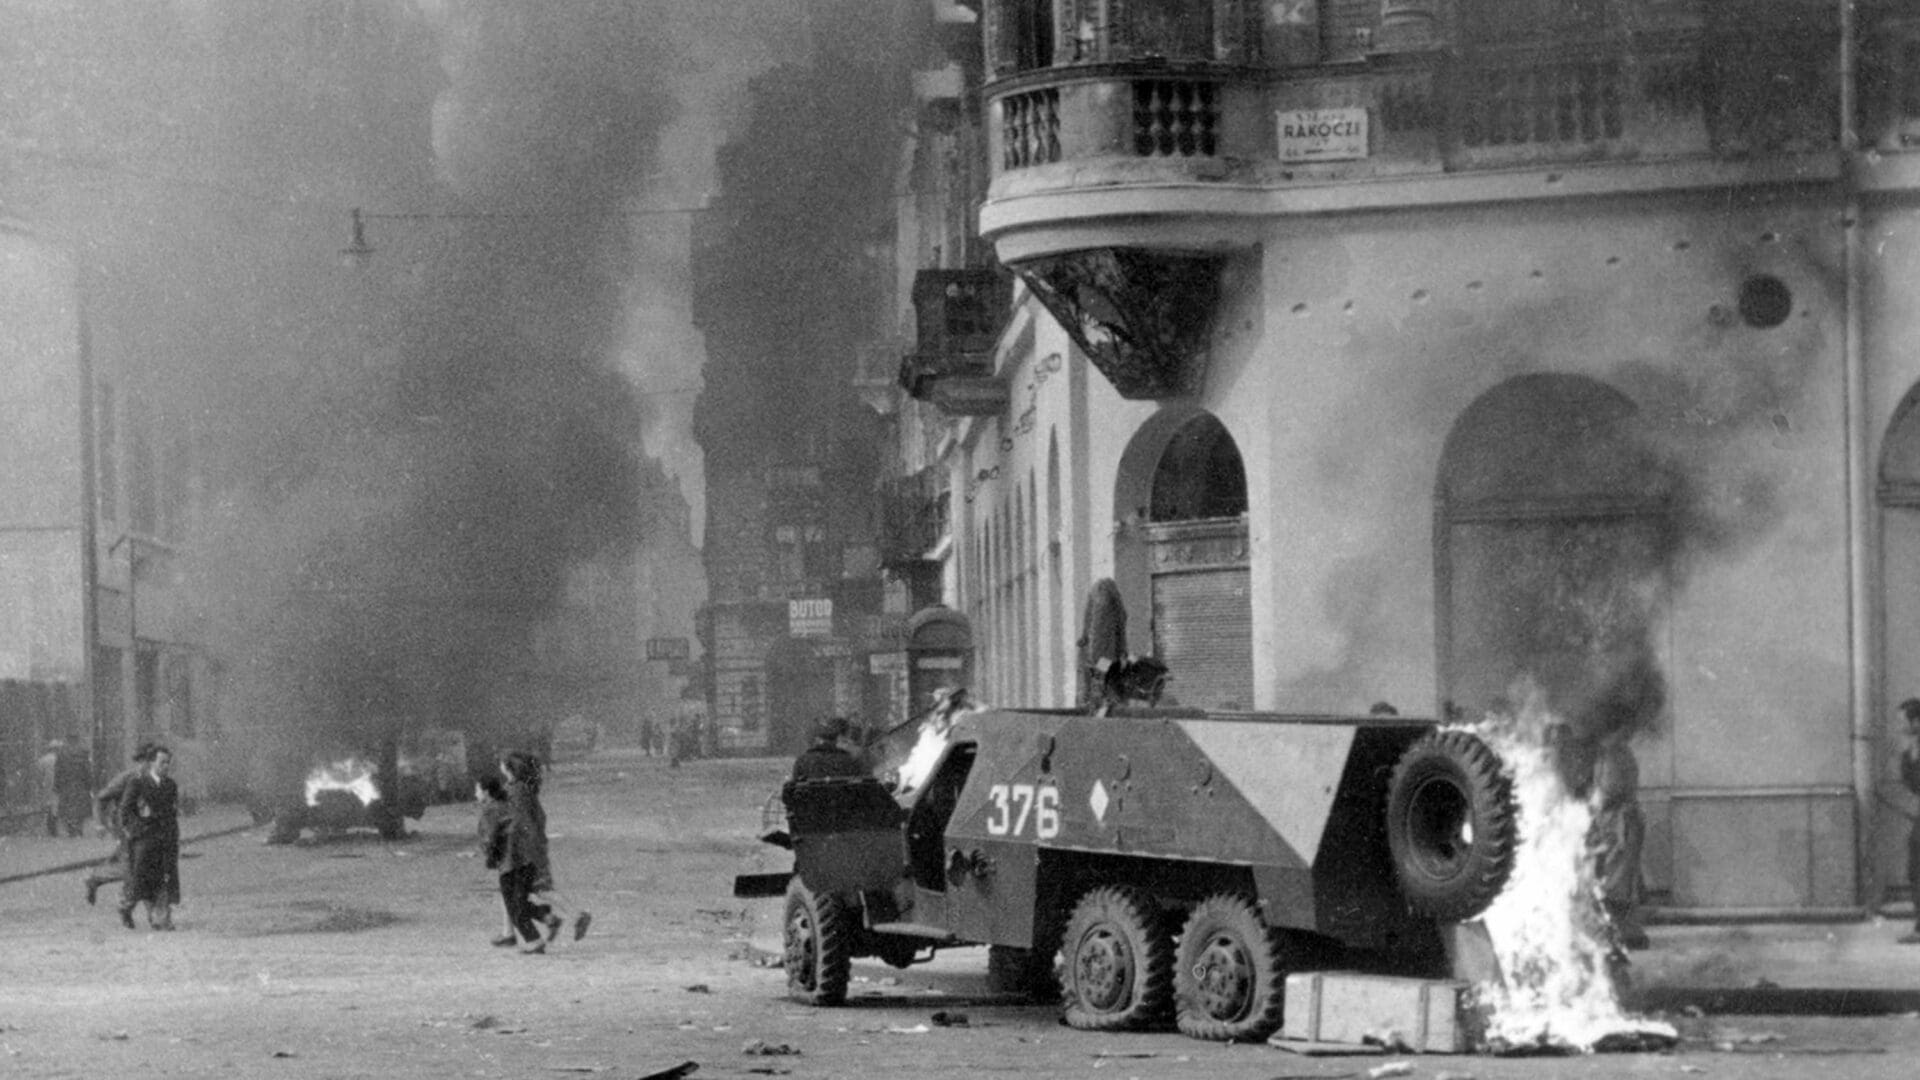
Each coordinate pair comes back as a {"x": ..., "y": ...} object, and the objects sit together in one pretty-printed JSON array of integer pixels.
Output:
[{"x": 1417, "y": 351}]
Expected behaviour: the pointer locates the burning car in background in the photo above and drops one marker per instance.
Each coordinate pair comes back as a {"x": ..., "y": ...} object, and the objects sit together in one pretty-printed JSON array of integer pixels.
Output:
[{"x": 352, "y": 791}]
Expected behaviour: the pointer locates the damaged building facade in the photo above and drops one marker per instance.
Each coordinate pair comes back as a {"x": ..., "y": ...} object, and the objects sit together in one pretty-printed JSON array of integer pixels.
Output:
[{"x": 1437, "y": 353}]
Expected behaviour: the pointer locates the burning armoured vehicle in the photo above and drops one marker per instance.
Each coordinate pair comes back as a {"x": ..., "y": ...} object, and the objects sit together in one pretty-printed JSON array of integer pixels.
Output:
[
  {"x": 345, "y": 792},
  {"x": 1148, "y": 866}
]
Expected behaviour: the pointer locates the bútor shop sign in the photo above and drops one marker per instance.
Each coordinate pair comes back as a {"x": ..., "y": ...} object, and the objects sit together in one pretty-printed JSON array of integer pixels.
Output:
[{"x": 1322, "y": 134}]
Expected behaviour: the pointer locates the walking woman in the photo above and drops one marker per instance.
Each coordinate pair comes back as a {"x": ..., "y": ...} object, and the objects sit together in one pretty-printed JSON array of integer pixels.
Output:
[
  {"x": 150, "y": 818},
  {"x": 524, "y": 869}
]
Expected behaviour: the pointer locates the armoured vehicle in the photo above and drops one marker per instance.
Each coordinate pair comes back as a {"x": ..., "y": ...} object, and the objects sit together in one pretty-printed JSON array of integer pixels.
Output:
[{"x": 1148, "y": 865}]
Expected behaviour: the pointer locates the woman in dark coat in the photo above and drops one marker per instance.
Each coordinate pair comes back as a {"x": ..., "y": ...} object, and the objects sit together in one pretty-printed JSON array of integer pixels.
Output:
[
  {"x": 524, "y": 869},
  {"x": 150, "y": 818}
]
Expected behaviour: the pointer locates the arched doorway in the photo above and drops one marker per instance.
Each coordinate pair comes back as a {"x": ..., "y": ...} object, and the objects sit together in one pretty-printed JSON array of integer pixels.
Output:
[
  {"x": 1899, "y": 497},
  {"x": 1554, "y": 548},
  {"x": 1197, "y": 568}
]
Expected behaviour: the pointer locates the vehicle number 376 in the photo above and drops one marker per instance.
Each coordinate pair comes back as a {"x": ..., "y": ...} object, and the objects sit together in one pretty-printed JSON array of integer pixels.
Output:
[{"x": 1013, "y": 806}]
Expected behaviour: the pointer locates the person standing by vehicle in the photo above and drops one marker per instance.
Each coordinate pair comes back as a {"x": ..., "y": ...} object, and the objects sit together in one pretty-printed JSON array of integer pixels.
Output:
[
  {"x": 150, "y": 814},
  {"x": 1618, "y": 836},
  {"x": 826, "y": 757}
]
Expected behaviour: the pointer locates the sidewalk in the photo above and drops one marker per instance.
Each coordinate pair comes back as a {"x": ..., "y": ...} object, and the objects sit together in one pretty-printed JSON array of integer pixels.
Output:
[
  {"x": 1834, "y": 969},
  {"x": 34, "y": 854}
]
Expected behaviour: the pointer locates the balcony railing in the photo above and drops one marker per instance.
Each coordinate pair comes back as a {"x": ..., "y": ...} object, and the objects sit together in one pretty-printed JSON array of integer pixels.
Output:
[
  {"x": 1175, "y": 118},
  {"x": 1030, "y": 128},
  {"x": 913, "y": 517},
  {"x": 1541, "y": 104}
]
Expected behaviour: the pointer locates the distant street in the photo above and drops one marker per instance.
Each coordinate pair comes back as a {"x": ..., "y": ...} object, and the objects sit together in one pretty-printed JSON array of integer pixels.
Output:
[{"x": 357, "y": 958}]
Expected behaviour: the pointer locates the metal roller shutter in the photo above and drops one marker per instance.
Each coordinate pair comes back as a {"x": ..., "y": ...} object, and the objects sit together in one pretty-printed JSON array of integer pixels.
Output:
[{"x": 1203, "y": 632}]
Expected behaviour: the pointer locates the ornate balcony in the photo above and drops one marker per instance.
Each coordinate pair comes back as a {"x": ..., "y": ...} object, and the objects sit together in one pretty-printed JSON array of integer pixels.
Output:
[
  {"x": 913, "y": 518},
  {"x": 959, "y": 314}
]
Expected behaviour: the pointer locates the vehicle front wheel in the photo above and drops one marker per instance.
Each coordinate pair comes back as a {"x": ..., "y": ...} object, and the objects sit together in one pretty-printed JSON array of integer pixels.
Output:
[
  {"x": 1230, "y": 974},
  {"x": 818, "y": 936},
  {"x": 1117, "y": 973}
]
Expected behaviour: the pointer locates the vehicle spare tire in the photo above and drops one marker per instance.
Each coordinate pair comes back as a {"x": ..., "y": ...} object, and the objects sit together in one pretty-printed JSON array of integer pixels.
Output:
[{"x": 1451, "y": 824}]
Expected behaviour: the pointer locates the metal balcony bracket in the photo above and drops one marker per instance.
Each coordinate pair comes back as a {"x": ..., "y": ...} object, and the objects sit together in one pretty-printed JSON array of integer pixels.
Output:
[{"x": 1143, "y": 318}]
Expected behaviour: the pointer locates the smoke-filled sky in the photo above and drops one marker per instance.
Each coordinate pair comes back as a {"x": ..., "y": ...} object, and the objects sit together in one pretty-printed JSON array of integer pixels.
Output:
[{"x": 401, "y": 467}]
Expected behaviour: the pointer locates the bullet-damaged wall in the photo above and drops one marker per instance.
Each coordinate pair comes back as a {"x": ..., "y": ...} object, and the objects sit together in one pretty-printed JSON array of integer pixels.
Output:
[{"x": 1718, "y": 321}]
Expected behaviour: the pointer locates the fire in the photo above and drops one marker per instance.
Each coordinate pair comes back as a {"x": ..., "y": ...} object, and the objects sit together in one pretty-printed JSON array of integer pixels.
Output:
[
  {"x": 932, "y": 741},
  {"x": 1548, "y": 930},
  {"x": 352, "y": 775}
]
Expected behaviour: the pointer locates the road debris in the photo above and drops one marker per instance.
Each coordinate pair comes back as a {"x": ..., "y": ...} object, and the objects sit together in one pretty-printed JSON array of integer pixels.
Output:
[
  {"x": 917, "y": 1029},
  {"x": 685, "y": 1068},
  {"x": 1391, "y": 1068},
  {"x": 699, "y": 988},
  {"x": 763, "y": 1048},
  {"x": 1729, "y": 1040},
  {"x": 1316, "y": 1048},
  {"x": 944, "y": 1018}
]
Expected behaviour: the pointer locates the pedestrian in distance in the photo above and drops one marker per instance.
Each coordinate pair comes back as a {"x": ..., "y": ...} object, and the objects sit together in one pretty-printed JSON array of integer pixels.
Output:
[
  {"x": 150, "y": 814},
  {"x": 106, "y": 815},
  {"x": 1910, "y": 777},
  {"x": 66, "y": 777}
]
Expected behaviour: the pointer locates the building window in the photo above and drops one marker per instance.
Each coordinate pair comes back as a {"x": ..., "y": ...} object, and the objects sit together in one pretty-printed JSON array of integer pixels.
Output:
[
  {"x": 175, "y": 505},
  {"x": 106, "y": 466},
  {"x": 1499, "y": 21},
  {"x": 1025, "y": 35},
  {"x": 143, "y": 483},
  {"x": 179, "y": 688},
  {"x": 146, "y": 691},
  {"x": 1200, "y": 475},
  {"x": 801, "y": 553}
]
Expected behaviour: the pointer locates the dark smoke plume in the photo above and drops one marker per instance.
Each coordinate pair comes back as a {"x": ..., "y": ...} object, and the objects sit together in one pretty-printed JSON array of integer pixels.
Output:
[{"x": 395, "y": 552}]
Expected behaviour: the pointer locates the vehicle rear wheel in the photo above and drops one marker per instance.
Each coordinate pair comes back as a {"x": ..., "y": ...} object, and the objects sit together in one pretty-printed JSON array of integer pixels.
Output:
[
  {"x": 1451, "y": 824},
  {"x": 1118, "y": 969},
  {"x": 1230, "y": 973},
  {"x": 818, "y": 937}
]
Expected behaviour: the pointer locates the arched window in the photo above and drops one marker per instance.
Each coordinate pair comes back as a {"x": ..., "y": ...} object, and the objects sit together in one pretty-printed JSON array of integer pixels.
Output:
[{"x": 1200, "y": 475}]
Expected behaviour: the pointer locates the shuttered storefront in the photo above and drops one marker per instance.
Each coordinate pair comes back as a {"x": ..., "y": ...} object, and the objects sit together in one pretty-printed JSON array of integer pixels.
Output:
[{"x": 1202, "y": 614}]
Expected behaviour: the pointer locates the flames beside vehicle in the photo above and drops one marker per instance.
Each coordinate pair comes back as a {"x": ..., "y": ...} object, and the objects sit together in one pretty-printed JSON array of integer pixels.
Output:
[
  {"x": 1558, "y": 988},
  {"x": 352, "y": 791}
]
